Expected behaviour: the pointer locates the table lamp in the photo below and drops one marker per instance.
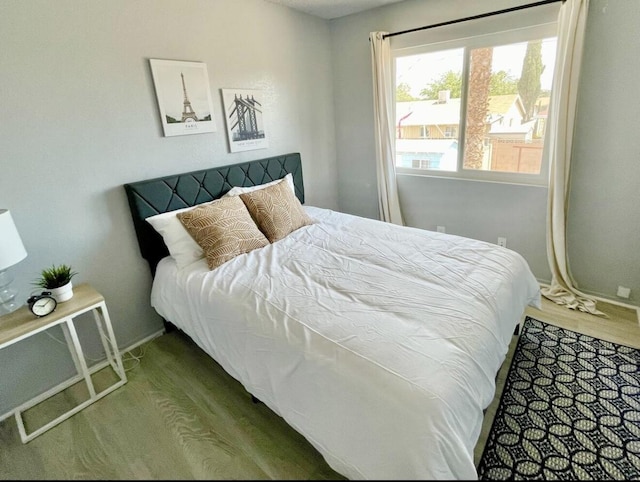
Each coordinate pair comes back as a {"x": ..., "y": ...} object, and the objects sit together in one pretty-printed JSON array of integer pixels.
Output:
[{"x": 11, "y": 252}]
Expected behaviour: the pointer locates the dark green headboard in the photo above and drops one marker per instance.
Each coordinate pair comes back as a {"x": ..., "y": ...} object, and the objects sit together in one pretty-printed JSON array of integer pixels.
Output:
[{"x": 168, "y": 193}]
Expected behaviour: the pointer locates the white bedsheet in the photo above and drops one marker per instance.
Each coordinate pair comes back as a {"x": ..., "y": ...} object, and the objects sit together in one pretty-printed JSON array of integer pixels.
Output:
[{"x": 380, "y": 344}]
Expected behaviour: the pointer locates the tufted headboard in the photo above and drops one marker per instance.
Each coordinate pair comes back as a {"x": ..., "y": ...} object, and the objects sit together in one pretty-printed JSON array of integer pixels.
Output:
[{"x": 168, "y": 193}]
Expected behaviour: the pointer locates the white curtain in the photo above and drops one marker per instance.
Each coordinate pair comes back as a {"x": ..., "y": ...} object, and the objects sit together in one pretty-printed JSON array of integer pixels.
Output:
[
  {"x": 384, "y": 118},
  {"x": 571, "y": 28}
]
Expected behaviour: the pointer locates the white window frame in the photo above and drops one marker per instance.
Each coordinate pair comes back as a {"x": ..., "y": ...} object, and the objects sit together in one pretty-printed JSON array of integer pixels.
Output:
[{"x": 496, "y": 38}]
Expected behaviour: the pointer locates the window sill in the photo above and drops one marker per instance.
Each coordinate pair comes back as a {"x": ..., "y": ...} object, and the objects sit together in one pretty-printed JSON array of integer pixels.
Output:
[{"x": 538, "y": 181}]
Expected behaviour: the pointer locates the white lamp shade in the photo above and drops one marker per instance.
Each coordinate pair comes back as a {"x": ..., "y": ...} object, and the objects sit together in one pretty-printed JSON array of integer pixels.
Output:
[{"x": 11, "y": 248}]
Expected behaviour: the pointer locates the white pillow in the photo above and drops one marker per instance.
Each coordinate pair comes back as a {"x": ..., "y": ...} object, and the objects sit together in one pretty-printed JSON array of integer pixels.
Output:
[
  {"x": 182, "y": 247},
  {"x": 236, "y": 191}
]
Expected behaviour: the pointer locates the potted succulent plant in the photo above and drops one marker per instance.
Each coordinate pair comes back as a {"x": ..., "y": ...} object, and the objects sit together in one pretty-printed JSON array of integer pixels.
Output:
[{"x": 57, "y": 280}]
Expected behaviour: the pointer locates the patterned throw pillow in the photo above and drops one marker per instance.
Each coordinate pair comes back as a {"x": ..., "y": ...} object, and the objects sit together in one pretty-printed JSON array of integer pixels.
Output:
[
  {"x": 276, "y": 210},
  {"x": 224, "y": 229}
]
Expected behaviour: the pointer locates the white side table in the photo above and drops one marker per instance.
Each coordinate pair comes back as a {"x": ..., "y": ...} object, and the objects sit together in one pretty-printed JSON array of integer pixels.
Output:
[{"x": 22, "y": 324}]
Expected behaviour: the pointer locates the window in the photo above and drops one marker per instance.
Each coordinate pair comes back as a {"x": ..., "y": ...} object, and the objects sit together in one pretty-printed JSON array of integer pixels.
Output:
[
  {"x": 483, "y": 101},
  {"x": 423, "y": 164}
]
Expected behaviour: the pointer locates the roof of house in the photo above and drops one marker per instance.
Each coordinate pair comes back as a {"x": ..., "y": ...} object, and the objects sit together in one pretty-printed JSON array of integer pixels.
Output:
[
  {"x": 500, "y": 104},
  {"x": 428, "y": 146},
  {"x": 524, "y": 128},
  {"x": 431, "y": 112},
  {"x": 428, "y": 112}
]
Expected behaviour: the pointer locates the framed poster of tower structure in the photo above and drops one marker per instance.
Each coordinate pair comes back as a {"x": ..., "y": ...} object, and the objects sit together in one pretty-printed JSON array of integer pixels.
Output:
[
  {"x": 184, "y": 96},
  {"x": 243, "y": 113}
]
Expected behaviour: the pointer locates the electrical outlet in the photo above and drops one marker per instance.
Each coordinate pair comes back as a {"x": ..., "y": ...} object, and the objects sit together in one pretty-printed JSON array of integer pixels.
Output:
[
  {"x": 502, "y": 242},
  {"x": 440, "y": 229},
  {"x": 624, "y": 292}
]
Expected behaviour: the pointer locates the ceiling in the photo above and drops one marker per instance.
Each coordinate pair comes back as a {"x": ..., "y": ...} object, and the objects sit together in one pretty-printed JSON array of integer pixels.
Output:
[{"x": 332, "y": 8}]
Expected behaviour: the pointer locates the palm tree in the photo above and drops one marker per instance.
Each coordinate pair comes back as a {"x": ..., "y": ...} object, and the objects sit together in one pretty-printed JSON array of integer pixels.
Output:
[{"x": 477, "y": 106}]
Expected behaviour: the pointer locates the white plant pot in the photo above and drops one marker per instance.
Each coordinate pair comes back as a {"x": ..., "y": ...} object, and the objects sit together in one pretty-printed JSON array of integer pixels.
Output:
[{"x": 62, "y": 294}]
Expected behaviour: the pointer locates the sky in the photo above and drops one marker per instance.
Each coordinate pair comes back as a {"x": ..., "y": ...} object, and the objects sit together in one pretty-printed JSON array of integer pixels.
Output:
[{"x": 419, "y": 70}]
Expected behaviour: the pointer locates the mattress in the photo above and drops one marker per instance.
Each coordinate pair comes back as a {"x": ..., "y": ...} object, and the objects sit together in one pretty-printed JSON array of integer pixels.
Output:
[{"x": 378, "y": 343}]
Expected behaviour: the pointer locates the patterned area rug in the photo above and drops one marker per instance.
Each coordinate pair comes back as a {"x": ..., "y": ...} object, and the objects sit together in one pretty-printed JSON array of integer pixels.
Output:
[{"x": 570, "y": 409}]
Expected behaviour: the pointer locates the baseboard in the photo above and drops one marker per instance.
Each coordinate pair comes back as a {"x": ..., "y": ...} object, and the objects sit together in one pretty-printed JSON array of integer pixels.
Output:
[
  {"x": 617, "y": 303},
  {"x": 97, "y": 366},
  {"x": 143, "y": 341},
  {"x": 605, "y": 300}
]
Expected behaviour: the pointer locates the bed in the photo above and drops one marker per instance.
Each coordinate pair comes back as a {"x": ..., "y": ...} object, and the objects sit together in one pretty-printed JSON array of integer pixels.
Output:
[{"x": 380, "y": 344}]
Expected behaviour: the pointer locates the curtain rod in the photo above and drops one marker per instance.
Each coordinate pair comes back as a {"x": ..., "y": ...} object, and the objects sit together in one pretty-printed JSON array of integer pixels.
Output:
[{"x": 474, "y": 17}]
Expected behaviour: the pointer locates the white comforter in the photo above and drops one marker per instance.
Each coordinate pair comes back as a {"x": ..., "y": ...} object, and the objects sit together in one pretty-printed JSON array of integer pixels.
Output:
[{"x": 380, "y": 344}]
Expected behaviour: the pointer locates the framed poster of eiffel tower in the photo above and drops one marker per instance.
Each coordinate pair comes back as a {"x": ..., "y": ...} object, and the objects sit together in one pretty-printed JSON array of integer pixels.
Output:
[{"x": 184, "y": 96}]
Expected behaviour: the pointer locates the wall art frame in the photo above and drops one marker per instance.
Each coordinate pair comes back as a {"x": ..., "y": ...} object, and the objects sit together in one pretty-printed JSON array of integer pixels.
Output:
[
  {"x": 184, "y": 96},
  {"x": 244, "y": 118}
]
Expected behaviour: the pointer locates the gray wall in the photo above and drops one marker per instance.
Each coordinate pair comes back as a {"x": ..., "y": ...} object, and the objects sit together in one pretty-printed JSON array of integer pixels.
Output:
[
  {"x": 80, "y": 119},
  {"x": 604, "y": 219}
]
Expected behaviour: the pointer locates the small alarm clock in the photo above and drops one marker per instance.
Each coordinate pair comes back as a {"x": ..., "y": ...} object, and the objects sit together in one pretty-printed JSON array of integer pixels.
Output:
[{"x": 42, "y": 304}]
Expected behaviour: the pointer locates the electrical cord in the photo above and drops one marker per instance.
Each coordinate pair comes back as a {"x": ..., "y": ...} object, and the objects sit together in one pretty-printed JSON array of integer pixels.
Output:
[
  {"x": 126, "y": 356},
  {"x": 131, "y": 357}
]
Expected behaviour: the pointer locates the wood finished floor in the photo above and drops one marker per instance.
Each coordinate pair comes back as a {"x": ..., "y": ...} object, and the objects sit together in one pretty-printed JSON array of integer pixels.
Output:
[{"x": 180, "y": 416}]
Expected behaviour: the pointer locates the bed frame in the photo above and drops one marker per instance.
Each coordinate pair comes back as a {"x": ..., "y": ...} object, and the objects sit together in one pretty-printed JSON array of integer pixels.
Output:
[{"x": 168, "y": 193}]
